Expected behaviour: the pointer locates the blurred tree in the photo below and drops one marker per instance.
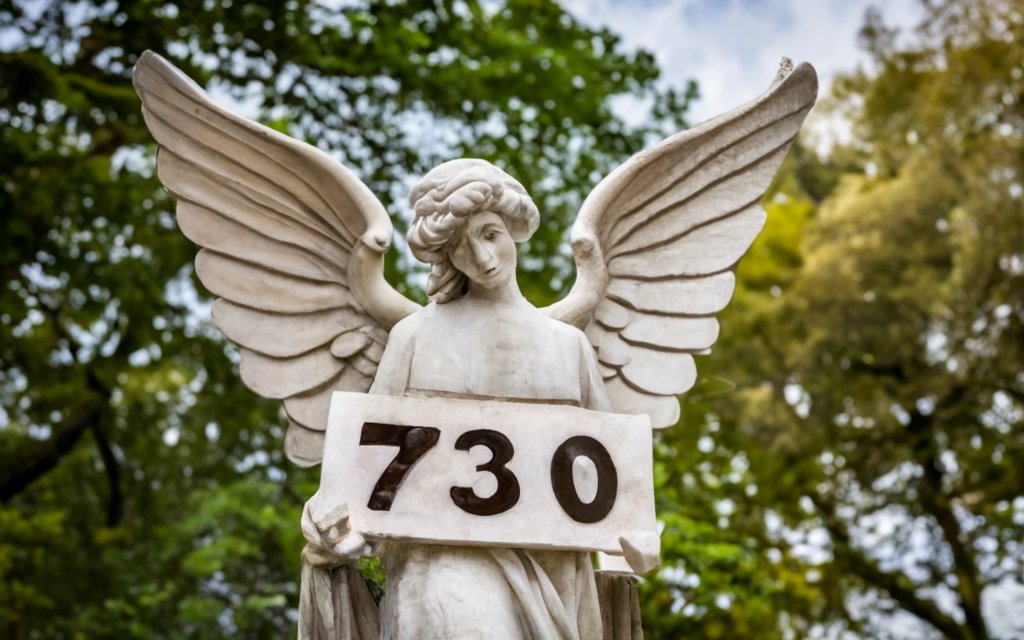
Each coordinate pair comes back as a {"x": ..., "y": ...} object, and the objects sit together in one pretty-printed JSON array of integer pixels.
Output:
[
  {"x": 143, "y": 489},
  {"x": 724, "y": 573},
  {"x": 868, "y": 463}
]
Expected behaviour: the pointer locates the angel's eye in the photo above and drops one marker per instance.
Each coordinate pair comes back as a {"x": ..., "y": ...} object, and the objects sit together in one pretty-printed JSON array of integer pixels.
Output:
[{"x": 491, "y": 235}]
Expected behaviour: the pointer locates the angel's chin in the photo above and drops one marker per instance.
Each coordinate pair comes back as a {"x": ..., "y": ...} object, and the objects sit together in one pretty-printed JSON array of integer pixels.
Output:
[{"x": 491, "y": 279}]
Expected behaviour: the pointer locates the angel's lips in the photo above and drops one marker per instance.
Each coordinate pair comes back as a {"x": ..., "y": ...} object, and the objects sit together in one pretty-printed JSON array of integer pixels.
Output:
[{"x": 489, "y": 277}]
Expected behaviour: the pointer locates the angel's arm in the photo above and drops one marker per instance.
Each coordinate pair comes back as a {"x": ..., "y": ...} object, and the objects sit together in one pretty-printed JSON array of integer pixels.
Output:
[
  {"x": 593, "y": 393},
  {"x": 392, "y": 377}
]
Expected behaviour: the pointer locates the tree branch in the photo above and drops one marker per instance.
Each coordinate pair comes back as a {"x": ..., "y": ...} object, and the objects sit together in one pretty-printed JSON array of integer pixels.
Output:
[
  {"x": 895, "y": 584},
  {"x": 1014, "y": 393},
  {"x": 115, "y": 500},
  {"x": 113, "y": 471},
  {"x": 938, "y": 504},
  {"x": 27, "y": 464},
  {"x": 110, "y": 466}
]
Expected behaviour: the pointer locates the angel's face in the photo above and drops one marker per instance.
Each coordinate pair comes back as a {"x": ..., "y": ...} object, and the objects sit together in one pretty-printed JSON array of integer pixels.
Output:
[{"x": 484, "y": 251}]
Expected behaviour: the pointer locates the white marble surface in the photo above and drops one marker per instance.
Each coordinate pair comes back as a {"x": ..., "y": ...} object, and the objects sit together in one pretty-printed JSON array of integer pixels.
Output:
[
  {"x": 423, "y": 509},
  {"x": 292, "y": 246}
]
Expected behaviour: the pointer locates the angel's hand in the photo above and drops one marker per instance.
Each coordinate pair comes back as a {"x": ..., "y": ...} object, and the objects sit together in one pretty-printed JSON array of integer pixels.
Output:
[{"x": 332, "y": 542}]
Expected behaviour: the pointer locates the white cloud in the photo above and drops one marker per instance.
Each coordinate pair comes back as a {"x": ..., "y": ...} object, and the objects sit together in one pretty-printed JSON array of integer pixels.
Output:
[{"x": 733, "y": 47}]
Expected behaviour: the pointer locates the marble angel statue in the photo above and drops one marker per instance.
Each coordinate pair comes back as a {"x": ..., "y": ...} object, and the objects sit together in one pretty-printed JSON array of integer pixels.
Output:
[{"x": 292, "y": 245}]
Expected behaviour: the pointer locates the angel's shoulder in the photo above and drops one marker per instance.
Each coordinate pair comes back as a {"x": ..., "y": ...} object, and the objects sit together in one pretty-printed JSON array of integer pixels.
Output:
[
  {"x": 563, "y": 331},
  {"x": 411, "y": 324},
  {"x": 559, "y": 327}
]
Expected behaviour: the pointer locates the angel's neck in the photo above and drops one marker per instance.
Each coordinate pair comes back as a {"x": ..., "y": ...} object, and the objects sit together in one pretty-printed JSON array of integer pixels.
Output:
[{"x": 508, "y": 292}]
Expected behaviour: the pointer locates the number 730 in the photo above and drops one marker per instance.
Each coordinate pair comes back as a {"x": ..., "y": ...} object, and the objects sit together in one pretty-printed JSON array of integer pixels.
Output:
[{"x": 414, "y": 442}]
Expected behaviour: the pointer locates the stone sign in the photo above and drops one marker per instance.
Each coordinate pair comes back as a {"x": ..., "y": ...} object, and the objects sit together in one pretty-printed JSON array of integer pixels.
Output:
[{"x": 454, "y": 471}]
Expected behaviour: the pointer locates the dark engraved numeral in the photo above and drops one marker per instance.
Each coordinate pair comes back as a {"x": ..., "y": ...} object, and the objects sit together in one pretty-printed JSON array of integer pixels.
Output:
[
  {"x": 507, "y": 494},
  {"x": 565, "y": 487},
  {"x": 412, "y": 443}
]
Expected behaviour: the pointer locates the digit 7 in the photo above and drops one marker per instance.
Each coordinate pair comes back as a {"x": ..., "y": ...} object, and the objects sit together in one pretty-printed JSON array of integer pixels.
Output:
[{"x": 412, "y": 442}]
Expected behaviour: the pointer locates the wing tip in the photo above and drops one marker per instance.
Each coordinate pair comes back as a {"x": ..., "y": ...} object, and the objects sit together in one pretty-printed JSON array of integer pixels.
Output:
[
  {"x": 802, "y": 73},
  {"x": 155, "y": 73},
  {"x": 146, "y": 65}
]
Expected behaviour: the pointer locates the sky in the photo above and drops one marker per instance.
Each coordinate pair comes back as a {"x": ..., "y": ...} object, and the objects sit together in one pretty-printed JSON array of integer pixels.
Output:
[{"x": 733, "y": 47}]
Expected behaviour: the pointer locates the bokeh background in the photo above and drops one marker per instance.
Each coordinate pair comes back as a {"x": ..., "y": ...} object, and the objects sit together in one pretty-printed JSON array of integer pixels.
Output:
[{"x": 850, "y": 463}]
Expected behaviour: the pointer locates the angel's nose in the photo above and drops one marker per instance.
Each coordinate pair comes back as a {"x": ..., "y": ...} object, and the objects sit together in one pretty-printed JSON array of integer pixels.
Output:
[{"x": 482, "y": 253}]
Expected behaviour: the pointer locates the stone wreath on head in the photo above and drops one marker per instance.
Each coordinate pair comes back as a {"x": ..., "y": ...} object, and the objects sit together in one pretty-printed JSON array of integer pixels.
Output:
[{"x": 444, "y": 199}]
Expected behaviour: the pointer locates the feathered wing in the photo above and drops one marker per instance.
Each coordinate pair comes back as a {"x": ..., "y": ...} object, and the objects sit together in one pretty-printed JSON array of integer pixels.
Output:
[
  {"x": 281, "y": 225},
  {"x": 657, "y": 241}
]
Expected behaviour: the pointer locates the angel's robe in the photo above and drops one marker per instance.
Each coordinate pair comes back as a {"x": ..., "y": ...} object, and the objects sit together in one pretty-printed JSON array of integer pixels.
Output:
[{"x": 494, "y": 351}]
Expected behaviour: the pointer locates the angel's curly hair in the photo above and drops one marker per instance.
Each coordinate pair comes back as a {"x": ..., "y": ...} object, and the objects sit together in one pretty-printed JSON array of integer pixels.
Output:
[{"x": 445, "y": 198}]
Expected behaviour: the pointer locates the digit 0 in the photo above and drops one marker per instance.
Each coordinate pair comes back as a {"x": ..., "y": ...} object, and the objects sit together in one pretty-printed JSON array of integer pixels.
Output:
[{"x": 565, "y": 488}]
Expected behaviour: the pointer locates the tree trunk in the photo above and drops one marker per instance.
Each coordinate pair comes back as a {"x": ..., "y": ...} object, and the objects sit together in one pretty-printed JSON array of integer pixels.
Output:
[{"x": 27, "y": 464}]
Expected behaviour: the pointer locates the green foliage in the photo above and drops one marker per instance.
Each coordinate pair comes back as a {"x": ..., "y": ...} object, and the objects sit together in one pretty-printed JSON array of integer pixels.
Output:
[
  {"x": 868, "y": 460},
  {"x": 144, "y": 489},
  {"x": 723, "y": 574}
]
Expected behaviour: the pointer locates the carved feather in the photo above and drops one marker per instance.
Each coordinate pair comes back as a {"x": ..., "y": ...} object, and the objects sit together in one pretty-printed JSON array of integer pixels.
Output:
[
  {"x": 308, "y": 408},
  {"x": 702, "y": 296},
  {"x": 279, "y": 335},
  {"x": 304, "y": 447},
  {"x": 279, "y": 223},
  {"x": 705, "y": 251},
  {"x": 669, "y": 226}
]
